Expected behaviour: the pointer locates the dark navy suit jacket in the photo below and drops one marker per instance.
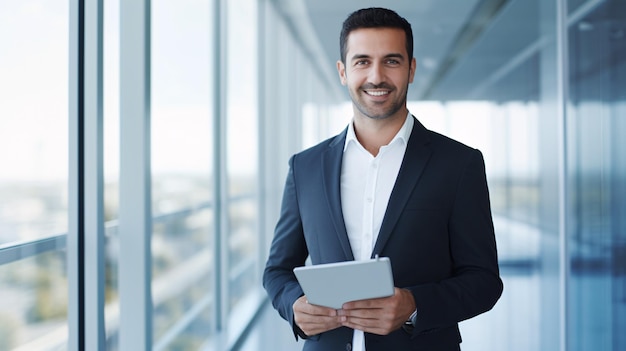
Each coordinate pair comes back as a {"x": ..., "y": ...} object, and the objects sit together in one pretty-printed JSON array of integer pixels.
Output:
[{"x": 437, "y": 231}]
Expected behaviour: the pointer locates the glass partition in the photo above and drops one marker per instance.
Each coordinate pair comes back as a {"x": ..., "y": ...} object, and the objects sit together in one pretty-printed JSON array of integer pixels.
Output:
[{"x": 596, "y": 133}]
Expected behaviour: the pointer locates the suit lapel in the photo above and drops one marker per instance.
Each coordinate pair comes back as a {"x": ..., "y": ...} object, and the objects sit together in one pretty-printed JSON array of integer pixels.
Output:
[
  {"x": 331, "y": 170},
  {"x": 415, "y": 159}
]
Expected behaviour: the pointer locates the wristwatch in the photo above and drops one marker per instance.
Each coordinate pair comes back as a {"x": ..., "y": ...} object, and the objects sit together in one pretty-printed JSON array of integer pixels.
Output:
[{"x": 409, "y": 325}]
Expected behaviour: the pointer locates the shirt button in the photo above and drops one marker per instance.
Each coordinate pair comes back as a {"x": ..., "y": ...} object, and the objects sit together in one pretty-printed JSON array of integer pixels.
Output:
[{"x": 369, "y": 199}]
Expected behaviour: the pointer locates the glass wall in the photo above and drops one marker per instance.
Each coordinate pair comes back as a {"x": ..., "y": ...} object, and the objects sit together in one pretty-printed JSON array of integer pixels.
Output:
[
  {"x": 596, "y": 136},
  {"x": 193, "y": 277},
  {"x": 182, "y": 191},
  {"x": 33, "y": 172}
]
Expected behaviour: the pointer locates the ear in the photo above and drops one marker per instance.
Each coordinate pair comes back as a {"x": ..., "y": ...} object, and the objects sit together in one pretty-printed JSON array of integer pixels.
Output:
[
  {"x": 412, "y": 70},
  {"x": 341, "y": 69}
]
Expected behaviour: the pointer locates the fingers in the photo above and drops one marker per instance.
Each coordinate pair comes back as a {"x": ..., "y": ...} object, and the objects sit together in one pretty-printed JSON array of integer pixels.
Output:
[
  {"x": 373, "y": 326},
  {"x": 378, "y": 316},
  {"x": 376, "y": 321},
  {"x": 313, "y": 319}
]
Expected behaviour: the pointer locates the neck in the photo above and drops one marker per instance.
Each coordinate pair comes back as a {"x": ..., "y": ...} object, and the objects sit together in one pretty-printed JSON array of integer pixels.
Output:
[{"x": 375, "y": 133}]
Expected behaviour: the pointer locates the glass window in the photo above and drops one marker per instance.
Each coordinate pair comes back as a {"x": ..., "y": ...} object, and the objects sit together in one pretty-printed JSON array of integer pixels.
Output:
[
  {"x": 33, "y": 119},
  {"x": 241, "y": 151},
  {"x": 34, "y": 46},
  {"x": 182, "y": 174}
]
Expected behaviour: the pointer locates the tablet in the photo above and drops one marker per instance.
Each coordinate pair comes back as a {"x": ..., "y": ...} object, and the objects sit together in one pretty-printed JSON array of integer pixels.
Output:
[{"x": 333, "y": 284}]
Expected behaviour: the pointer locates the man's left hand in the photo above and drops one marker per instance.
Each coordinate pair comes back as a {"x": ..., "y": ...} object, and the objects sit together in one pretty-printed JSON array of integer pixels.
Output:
[{"x": 378, "y": 316}]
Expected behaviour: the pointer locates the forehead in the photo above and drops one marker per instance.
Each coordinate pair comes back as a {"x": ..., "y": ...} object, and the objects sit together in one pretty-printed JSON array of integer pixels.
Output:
[{"x": 376, "y": 42}]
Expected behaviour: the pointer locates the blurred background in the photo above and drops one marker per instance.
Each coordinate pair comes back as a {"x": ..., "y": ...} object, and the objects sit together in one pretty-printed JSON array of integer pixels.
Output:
[{"x": 231, "y": 89}]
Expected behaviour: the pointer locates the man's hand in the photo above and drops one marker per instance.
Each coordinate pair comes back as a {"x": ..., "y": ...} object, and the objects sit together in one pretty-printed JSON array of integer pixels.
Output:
[
  {"x": 378, "y": 316},
  {"x": 313, "y": 319}
]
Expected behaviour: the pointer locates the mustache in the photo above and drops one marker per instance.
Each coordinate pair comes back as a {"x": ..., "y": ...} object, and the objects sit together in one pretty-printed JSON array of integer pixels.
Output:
[{"x": 376, "y": 86}]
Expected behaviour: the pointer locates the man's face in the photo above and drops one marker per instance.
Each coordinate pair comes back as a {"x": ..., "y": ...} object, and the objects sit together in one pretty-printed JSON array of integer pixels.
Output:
[{"x": 377, "y": 71}]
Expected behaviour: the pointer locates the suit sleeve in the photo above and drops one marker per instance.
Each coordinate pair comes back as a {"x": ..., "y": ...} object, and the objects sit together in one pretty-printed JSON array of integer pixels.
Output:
[
  {"x": 474, "y": 285},
  {"x": 288, "y": 250}
]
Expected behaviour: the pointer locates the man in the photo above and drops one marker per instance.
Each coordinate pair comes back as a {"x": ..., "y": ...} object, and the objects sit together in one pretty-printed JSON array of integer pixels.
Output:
[{"x": 386, "y": 186}]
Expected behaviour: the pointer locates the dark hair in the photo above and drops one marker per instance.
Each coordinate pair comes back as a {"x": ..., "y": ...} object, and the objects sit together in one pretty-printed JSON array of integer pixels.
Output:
[{"x": 374, "y": 17}]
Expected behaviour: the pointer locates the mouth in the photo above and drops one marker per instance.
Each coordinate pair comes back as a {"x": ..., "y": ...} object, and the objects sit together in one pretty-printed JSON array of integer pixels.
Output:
[{"x": 377, "y": 92}]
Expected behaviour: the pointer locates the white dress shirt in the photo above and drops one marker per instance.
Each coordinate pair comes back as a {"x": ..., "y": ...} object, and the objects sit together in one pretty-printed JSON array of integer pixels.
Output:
[{"x": 366, "y": 185}]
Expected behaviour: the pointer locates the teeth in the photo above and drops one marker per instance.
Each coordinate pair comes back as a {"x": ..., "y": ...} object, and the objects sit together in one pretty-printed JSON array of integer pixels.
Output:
[{"x": 378, "y": 93}]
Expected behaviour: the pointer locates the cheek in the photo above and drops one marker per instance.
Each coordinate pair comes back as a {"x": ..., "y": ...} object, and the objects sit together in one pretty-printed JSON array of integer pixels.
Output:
[{"x": 355, "y": 79}]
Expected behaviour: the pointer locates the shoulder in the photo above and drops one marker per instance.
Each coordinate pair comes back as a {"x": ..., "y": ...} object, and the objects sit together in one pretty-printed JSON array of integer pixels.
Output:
[
  {"x": 446, "y": 154},
  {"x": 454, "y": 156},
  {"x": 446, "y": 143}
]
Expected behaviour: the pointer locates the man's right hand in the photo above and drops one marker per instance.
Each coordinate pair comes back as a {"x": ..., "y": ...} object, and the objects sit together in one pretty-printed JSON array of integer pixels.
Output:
[{"x": 313, "y": 319}]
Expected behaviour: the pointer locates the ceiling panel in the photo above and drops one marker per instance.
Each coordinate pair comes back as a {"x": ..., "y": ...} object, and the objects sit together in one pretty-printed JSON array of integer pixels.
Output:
[{"x": 509, "y": 35}]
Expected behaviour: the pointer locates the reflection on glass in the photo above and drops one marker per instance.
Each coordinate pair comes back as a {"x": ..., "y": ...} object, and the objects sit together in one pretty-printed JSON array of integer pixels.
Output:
[
  {"x": 182, "y": 239},
  {"x": 33, "y": 172},
  {"x": 111, "y": 155}
]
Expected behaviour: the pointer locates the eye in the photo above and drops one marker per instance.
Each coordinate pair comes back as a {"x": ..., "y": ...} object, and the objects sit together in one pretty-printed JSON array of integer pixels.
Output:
[
  {"x": 392, "y": 62},
  {"x": 361, "y": 62}
]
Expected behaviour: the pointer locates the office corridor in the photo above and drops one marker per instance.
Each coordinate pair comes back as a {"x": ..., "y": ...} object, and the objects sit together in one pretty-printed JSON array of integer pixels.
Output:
[{"x": 144, "y": 146}]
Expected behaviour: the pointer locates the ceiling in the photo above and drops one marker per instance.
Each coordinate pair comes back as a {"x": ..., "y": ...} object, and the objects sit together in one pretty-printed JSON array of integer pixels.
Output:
[{"x": 495, "y": 50}]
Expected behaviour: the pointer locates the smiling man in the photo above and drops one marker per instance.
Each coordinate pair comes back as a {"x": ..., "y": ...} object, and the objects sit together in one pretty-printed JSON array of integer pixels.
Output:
[
  {"x": 386, "y": 186},
  {"x": 377, "y": 68},
  {"x": 376, "y": 75}
]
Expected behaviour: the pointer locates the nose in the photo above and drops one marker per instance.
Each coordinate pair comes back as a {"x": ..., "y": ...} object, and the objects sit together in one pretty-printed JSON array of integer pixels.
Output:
[{"x": 376, "y": 74}]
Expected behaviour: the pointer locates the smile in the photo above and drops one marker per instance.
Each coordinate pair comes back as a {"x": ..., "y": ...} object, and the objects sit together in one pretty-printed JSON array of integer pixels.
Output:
[{"x": 377, "y": 92}]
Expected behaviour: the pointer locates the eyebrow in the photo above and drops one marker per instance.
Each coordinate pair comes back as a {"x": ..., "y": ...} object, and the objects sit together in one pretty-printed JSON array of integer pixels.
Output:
[{"x": 391, "y": 55}]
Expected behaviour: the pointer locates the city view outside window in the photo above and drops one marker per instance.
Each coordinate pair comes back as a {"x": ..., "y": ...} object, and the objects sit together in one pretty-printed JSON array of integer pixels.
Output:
[{"x": 34, "y": 40}]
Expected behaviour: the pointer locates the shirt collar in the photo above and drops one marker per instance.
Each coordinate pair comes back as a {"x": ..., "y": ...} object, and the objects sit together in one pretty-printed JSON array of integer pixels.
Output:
[{"x": 403, "y": 134}]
